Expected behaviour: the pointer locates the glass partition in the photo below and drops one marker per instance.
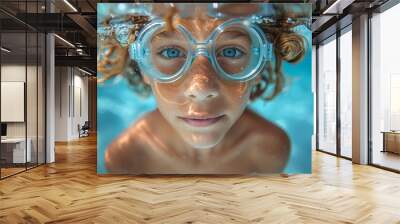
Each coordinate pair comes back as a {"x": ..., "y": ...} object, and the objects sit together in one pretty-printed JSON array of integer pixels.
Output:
[
  {"x": 31, "y": 100},
  {"x": 385, "y": 89},
  {"x": 13, "y": 105},
  {"x": 41, "y": 91},
  {"x": 327, "y": 96},
  {"x": 346, "y": 93},
  {"x": 22, "y": 89}
]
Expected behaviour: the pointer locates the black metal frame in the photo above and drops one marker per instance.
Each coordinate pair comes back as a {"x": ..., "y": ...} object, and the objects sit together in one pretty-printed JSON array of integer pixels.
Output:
[
  {"x": 338, "y": 98},
  {"x": 25, "y": 89},
  {"x": 369, "y": 90},
  {"x": 316, "y": 97},
  {"x": 44, "y": 80},
  {"x": 45, "y": 88}
]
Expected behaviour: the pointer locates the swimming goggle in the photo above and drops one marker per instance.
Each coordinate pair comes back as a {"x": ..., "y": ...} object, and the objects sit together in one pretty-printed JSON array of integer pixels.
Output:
[{"x": 237, "y": 49}]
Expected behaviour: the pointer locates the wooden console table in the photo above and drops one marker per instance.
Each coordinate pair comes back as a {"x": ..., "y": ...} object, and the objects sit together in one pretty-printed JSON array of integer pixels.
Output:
[{"x": 391, "y": 141}]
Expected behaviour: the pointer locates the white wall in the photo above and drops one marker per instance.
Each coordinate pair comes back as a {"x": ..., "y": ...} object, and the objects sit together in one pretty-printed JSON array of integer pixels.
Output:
[
  {"x": 12, "y": 101},
  {"x": 80, "y": 110},
  {"x": 71, "y": 94},
  {"x": 16, "y": 73},
  {"x": 61, "y": 103}
]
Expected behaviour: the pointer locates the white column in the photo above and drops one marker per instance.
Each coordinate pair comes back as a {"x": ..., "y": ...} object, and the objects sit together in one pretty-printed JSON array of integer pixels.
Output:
[
  {"x": 360, "y": 90},
  {"x": 50, "y": 100},
  {"x": 50, "y": 92}
]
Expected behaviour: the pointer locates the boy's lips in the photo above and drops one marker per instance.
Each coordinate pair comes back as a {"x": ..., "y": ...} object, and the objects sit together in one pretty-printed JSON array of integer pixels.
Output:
[{"x": 201, "y": 121}]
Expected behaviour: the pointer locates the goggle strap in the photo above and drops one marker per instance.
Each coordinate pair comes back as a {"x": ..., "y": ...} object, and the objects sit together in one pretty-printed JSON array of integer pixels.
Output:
[
  {"x": 268, "y": 51},
  {"x": 133, "y": 51}
]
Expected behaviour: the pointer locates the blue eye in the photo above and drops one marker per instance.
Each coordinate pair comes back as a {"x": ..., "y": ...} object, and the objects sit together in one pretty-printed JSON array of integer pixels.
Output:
[
  {"x": 232, "y": 52},
  {"x": 171, "y": 53}
]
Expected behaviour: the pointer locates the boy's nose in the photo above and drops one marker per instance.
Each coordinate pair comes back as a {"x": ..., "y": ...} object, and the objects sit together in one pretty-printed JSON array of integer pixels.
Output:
[
  {"x": 202, "y": 80},
  {"x": 200, "y": 89}
]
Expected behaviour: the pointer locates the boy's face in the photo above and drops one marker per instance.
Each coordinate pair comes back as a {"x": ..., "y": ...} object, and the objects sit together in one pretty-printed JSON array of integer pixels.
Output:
[{"x": 201, "y": 106}]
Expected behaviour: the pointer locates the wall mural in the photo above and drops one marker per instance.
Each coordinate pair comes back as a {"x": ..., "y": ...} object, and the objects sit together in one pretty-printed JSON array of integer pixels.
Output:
[{"x": 218, "y": 88}]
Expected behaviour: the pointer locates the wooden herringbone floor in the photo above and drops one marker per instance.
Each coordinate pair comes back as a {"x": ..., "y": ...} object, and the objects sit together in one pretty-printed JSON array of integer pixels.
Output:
[{"x": 69, "y": 191}]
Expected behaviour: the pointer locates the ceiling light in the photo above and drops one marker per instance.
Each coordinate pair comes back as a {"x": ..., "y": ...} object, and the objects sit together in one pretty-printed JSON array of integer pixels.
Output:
[
  {"x": 5, "y": 50},
  {"x": 65, "y": 41},
  {"x": 337, "y": 7},
  {"x": 86, "y": 72},
  {"x": 70, "y": 5},
  {"x": 328, "y": 10}
]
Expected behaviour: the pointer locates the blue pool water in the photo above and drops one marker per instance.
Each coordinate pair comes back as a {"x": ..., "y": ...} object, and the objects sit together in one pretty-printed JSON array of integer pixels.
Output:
[{"x": 292, "y": 110}]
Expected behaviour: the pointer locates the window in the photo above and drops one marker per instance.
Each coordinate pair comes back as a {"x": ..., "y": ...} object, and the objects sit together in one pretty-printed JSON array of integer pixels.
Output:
[
  {"x": 385, "y": 89},
  {"x": 327, "y": 96},
  {"x": 346, "y": 93}
]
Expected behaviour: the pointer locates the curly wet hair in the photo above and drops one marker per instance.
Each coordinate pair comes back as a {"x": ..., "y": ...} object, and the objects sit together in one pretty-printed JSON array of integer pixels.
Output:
[{"x": 113, "y": 57}]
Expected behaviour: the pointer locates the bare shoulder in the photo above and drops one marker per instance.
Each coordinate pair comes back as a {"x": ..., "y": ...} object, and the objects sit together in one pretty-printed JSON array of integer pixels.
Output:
[
  {"x": 271, "y": 144},
  {"x": 128, "y": 151}
]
